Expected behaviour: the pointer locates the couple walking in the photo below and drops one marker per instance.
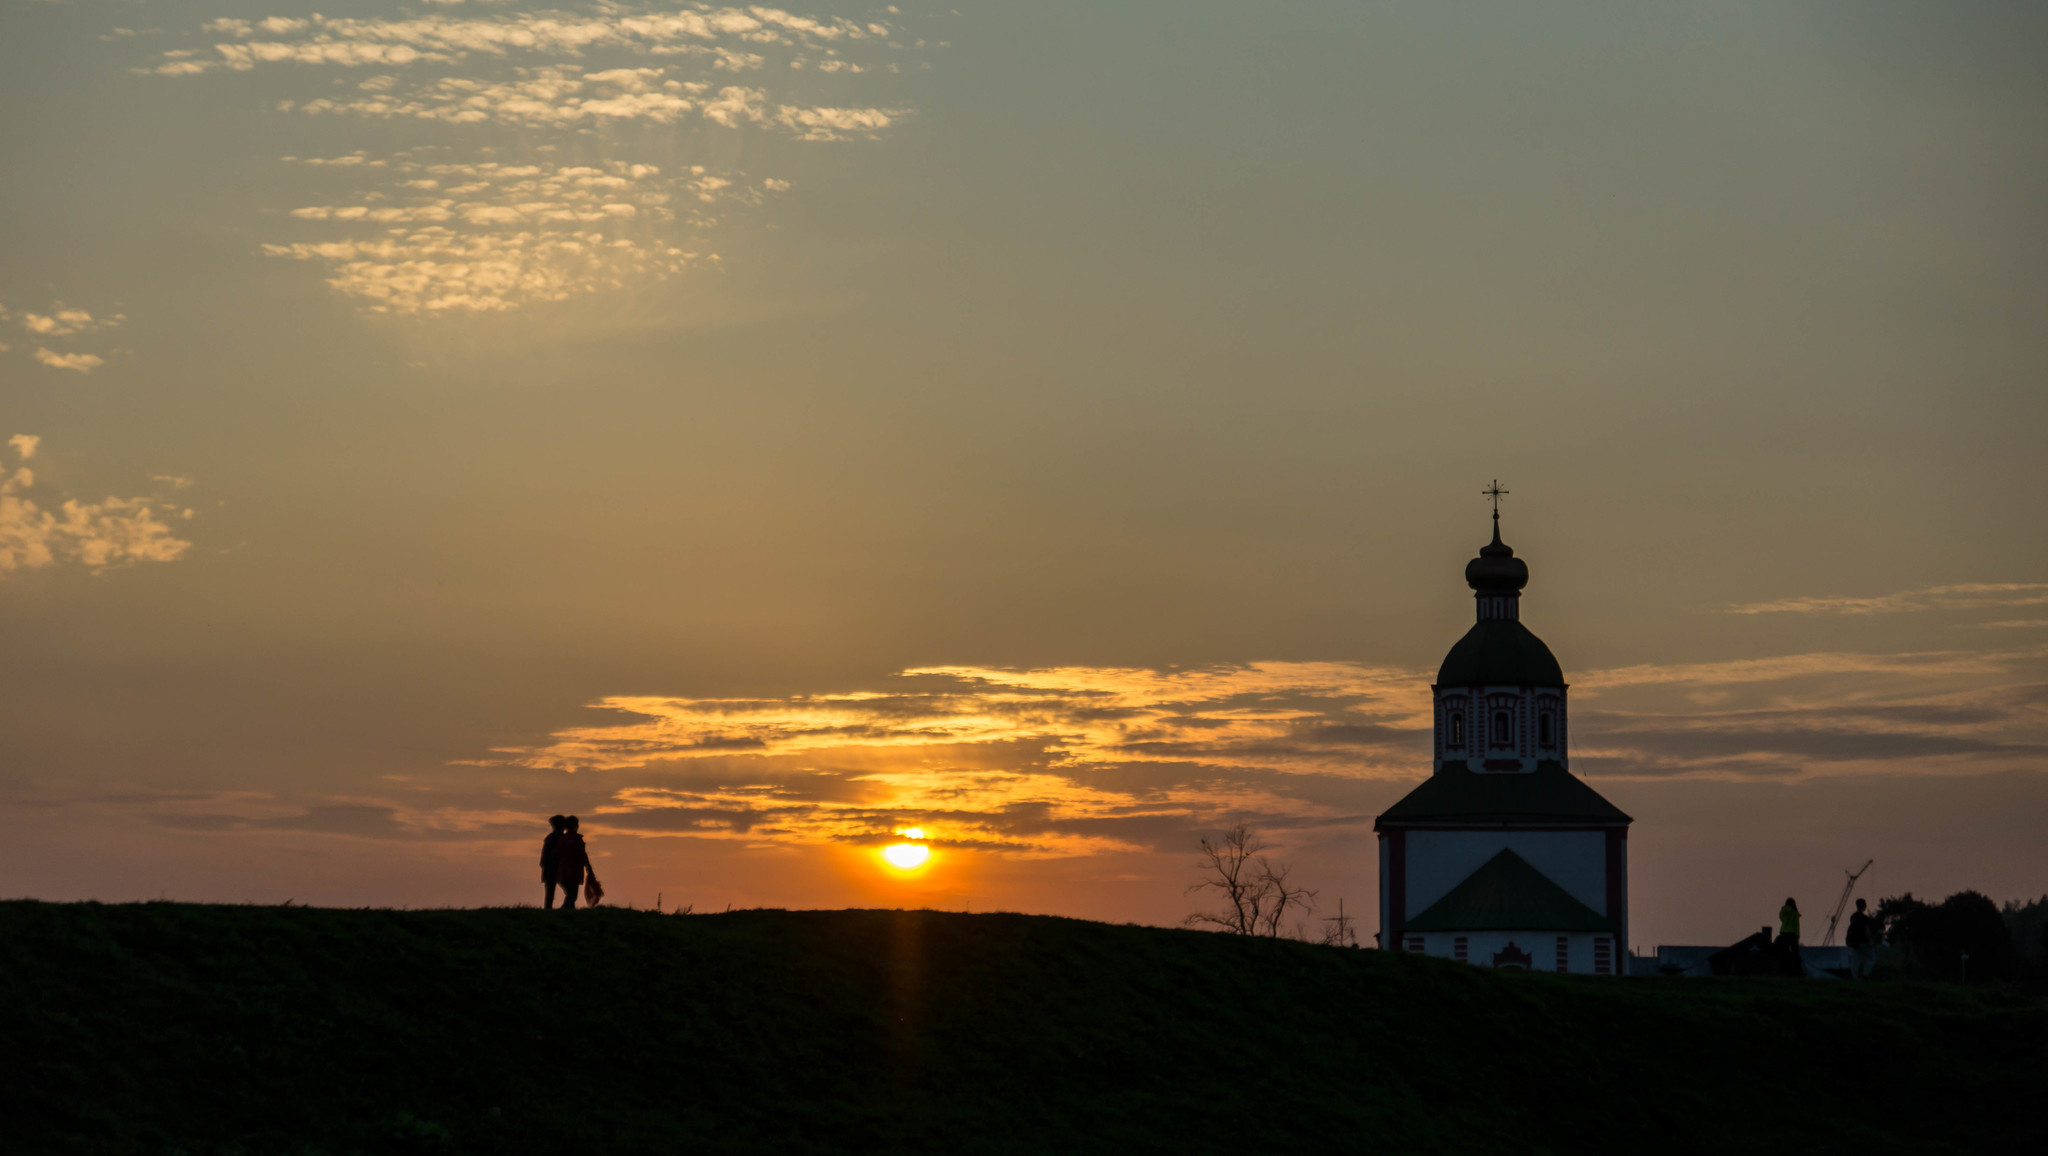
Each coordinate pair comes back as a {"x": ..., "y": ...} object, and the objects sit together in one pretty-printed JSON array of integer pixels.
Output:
[{"x": 564, "y": 860}]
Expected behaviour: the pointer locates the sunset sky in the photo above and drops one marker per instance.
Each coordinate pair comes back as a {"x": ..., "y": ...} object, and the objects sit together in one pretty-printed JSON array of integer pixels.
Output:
[{"x": 1059, "y": 428}]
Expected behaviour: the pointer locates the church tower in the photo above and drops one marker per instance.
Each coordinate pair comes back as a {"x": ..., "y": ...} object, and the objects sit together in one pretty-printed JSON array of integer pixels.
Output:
[{"x": 1502, "y": 857}]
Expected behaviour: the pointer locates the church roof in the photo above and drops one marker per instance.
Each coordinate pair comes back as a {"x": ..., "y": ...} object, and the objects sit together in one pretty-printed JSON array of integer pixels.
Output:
[
  {"x": 1548, "y": 794},
  {"x": 1508, "y": 895},
  {"x": 1500, "y": 652}
]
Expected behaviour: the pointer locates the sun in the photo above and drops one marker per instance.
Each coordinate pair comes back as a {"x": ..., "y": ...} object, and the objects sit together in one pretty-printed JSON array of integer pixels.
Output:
[{"x": 907, "y": 856}]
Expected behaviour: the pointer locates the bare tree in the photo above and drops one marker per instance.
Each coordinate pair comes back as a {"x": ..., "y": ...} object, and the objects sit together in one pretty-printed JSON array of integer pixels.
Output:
[{"x": 1256, "y": 895}]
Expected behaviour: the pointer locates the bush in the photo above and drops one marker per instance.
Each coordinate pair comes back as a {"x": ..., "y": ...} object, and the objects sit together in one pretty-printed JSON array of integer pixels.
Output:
[
  {"x": 2028, "y": 924},
  {"x": 1937, "y": 936}
]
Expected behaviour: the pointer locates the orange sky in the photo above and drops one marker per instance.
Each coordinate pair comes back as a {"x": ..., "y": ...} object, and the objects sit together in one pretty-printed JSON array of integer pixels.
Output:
[{"x": 1057, "y": 428}]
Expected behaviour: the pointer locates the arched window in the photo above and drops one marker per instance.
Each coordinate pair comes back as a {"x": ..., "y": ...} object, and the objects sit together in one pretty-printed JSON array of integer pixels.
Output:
[
  {"x": 1457, "y": 730},
  {"x": 1543, "y": 730},
  {"x": 1503, "y": 729}
]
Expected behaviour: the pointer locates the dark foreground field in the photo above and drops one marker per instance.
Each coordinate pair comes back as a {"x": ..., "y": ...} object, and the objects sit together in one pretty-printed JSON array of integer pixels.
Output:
[{"x": 167, "y": 1027}]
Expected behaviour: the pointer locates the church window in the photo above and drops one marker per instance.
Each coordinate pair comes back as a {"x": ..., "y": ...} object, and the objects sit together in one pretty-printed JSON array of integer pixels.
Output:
[
  {"x": 1543, "y": 729},
  {"x": 1503, "y": 729},
  {"x": 1457, "y": 729},
  {"x": 1603, "y": 956},
  {"x": 1459, "y": 949},
  {"x": 1415, "y": 943},
  {"x": 1564, "y": 953}
]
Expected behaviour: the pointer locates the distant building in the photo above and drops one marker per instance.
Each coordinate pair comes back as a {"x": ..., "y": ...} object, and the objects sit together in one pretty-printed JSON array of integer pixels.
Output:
[
  {"x": 1756, "y": 955},
  {"x": 1503, "y": 858}
]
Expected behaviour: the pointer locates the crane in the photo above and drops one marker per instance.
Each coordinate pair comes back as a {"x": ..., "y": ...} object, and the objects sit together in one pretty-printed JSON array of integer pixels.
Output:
[{"x": 1843, "y": 902}]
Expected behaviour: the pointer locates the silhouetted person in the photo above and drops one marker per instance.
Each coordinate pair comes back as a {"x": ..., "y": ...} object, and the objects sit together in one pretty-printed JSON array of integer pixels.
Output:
[
  {"x": 550, "y": 854},
  {"x": 572, "y": 862},
  {"x": 1788, "y": 927},
  {"x": 1862, "y": 941}
]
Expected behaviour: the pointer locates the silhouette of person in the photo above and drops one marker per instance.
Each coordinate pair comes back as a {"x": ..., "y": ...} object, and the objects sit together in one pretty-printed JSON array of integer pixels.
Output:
[
  {"x": 550, "y": 851},
  {"x": 1788, "y": 927},
  {"x": 1862, "y": 941},
  {"x": 572, "y": 861}
]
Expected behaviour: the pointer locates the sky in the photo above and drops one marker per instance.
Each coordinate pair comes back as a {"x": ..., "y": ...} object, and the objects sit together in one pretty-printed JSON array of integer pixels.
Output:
[{"x": 1059, "y": 428}]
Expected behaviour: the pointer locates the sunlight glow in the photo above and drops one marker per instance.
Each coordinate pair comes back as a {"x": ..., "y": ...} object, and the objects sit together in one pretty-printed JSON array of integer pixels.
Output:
[{"x": 906, "y": 856}]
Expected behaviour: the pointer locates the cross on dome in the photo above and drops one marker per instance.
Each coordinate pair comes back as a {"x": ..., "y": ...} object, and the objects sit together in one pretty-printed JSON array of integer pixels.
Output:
[{"x": 1495, "y": 493}]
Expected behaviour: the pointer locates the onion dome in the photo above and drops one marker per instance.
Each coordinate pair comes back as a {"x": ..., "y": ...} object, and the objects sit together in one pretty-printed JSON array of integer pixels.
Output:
[
  {"x": 1497, "y": 570},
  {"x": 1499, "y": 650}
]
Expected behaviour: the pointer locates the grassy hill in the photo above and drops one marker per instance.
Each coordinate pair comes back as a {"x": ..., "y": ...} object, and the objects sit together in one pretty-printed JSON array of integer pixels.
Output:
[{"x": 165, "y": 1027}]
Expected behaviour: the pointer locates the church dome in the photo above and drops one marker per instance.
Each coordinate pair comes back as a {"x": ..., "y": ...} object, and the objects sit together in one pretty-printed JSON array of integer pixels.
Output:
[
  {"x": 1496, "y": 570},
  {"x": 1500, "y": 652}
]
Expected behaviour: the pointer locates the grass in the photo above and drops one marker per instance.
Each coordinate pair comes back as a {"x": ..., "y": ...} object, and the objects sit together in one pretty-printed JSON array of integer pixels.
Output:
[{"x": 180, "y": 1028}]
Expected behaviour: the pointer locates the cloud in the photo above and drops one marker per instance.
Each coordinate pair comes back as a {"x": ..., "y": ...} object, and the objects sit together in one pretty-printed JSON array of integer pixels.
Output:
[
  {"x": 103, "y": 535},
  {"x": 433, "y": 269},
  {"x": 449, "y": 244},
  {"x": 1821, "y": 664},
  {"x": 1821, "y": 713},
  {"x": 1965, "y": 596},
  {"x": 1080, "y": 760},
  {"x": 75, "y": 362},
  {"x": 1278, "y": 716},
  {"x": 354, "y": 42},
  {"x": 63, "y": 322},
  {"x": 528, "y": 68},
  {"x": 833, "y": 123},
  {"x": 1072, "y": 760},
  {"x": 485, "y": 236},
  {"x": 562, "y": 95}
]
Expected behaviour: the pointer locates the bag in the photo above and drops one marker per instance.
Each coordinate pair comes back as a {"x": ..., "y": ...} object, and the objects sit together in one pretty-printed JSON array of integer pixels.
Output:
[{"x": 592, "y": 892}]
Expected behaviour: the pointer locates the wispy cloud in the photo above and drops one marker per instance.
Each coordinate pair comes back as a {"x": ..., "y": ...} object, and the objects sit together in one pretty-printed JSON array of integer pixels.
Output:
[
  {"x": 58, "y": 324},
  {"x": 496, "y": 239},
  {"x": 61, "y": 321},
  {"x": 102, "y": 535},
  {"x": 1964, "y": 596},
  {"x": 527, "y": 68},
  {"x": 1820, "y": 713},
  {"x": 484, "y": 236},
  {"x": 1079, "y": 761},
  {"x": 75, "y": 362},
  {"x": 1072, "y": 760},
  {"x": 1065, "y": 761},
  {"x": 1276, "y": 716},
  {"x": 563, "y": 95},
  {"x": 359, "y": 42}
]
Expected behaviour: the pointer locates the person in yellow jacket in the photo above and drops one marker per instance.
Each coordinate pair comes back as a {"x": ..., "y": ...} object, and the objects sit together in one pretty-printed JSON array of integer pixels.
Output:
[{"x": 1788, "y": 926}]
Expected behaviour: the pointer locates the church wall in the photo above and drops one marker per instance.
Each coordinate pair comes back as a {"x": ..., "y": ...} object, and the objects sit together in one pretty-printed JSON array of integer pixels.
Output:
[
  {"x": 1386, "y": 895},
  {"x": 1472, "y": 741},
  {"x": 1440, "y": 860},
  {"x": 1582, "y": 949}
]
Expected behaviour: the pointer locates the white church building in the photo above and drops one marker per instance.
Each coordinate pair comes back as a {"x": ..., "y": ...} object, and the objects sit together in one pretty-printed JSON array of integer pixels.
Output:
[{"x": 1502, "y": 857}]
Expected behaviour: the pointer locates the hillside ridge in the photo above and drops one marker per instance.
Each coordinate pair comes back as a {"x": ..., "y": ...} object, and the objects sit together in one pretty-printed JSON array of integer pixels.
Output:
[{"x": 168, "y": 1027}]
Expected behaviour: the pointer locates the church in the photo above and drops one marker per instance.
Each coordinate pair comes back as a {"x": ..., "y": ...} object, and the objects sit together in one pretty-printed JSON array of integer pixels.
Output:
[{"x": 1502, "y": 857}]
